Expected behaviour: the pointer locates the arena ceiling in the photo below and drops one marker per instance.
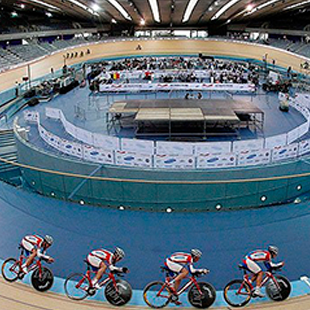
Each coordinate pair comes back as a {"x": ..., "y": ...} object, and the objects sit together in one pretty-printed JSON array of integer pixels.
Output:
[{"x": 150, "y": 13}]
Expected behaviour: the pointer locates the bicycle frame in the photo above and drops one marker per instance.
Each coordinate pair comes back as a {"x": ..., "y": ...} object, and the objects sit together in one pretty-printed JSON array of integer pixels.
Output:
[
  {"x": 192, "y": 280},
  {"x": 87, "y": 276},
  {"x": 246, "y": 279},
  {"x": 36, "y": 264}
]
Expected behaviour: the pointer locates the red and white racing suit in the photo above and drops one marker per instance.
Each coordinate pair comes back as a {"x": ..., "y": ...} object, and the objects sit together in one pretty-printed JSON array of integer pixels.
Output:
[
  {"x": 252, "y": 259},
  {"x": 34, "y": 242},
  {"x": 177, "y": 261},
  {"x": 96, "y": 257}
]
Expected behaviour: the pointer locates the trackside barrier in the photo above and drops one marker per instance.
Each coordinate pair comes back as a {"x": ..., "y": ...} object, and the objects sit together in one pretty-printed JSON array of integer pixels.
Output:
[{"x": 174, "y": 155}]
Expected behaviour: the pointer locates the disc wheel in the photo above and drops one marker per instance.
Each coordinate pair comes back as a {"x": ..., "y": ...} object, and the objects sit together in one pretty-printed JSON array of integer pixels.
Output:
[
  {"x": 157, "y": 295},
  {"x": 10, "y": 270},
  {"x": 237, "y": 293},
  {"x": 119, "y": 295},
  {"x": 42, "y": 281},
  {"x": 279, "y": 293},
  {"x": 203, "y": 299},
  {"x": 76, "y": 286}
]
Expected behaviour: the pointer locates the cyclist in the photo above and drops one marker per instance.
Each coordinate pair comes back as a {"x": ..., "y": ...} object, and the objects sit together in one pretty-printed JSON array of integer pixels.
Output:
[
  {"x": 251, "y": 260},
  {"x": 35, "y": 246},
  {"x": 182, "y": 263},
  {"x": 102, "y": 259}
]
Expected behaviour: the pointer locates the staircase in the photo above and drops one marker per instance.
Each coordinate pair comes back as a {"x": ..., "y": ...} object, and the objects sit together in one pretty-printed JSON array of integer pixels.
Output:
[{"x": 8, "y": 172}]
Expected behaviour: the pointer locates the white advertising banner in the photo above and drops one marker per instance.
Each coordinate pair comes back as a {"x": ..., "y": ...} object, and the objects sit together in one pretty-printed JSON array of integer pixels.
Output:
[
  {"x": 31, "y": 116},
  {"x": 124, "y": 158},
  {"x": 275, "y": 141},
  {"x": 247, "y": 145},
  {"x": 137, "y": 146},
  {"x": 284, "y": 152},
  {"x": 213, "y": 147},
  {"x": 304, "y": 128},
  {"x": 52, "y": 113},
  {"x": 98, "y": 155},
  {"x": 72, "y": 148},
  {"x": 219, "y": 160},
  {"x": 70, "y": 128},
  {"x": 135, "y": 87},
  {"x": 254, "y": 157},
  {"x": 303, "y": 147},
  {"x": 84, "y": 135},
  {"x": 174, "y": 148},
  {"x": 106, "y": 142},
  {"x": 174, "y": 162},
  {"x": 293, "y": 135}
]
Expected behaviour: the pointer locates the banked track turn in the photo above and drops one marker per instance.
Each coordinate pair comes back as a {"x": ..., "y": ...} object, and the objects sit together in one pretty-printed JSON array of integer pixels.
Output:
[{"x": 19, "y": 296}]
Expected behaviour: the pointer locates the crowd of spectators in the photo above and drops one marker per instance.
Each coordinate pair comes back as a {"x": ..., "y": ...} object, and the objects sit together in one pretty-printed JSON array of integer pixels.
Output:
[{"x": 178, "y": 69}]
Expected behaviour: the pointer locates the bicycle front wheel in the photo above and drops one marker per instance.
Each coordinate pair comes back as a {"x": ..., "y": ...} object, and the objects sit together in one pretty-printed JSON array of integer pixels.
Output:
[
  {"x": 76, "y": 286},
  {"x": 157, "y": 295},
  {"x": 237, "y": 293},
  {"x": 10, "y": 270}
]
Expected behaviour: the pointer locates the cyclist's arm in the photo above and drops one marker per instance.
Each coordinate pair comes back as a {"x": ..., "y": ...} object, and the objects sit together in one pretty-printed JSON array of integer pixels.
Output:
[
  {"x": 194, "y": 270},
  {"x": 270, "y": 265},
  {"x": 41, "y": 254},
  {"x": 114, "y": 268}
]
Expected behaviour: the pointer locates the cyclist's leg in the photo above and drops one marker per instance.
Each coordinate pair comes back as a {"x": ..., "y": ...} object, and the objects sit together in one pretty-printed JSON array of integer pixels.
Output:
[
  {"x": 180, "y": 270},
  {"x": 30, "y": 253},
  {"x": 183, "y": 274},
  {"x": 257, "y": 274},
  {"x": 98, "y": 266},
  {"x": 101, "y": 271}
]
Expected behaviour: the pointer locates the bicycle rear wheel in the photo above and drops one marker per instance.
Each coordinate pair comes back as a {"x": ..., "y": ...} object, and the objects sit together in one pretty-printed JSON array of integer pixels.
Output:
[
  {"x": 76, "y": 286},
  {"x": 281, "y": 292},
  {"x": 204, "y": 299},
  {"x": 237, "y": 293},
  {"x": 157, "y": 295},
  {"x": 10, "y": 269},
  {"x": 42, "y": 281}
]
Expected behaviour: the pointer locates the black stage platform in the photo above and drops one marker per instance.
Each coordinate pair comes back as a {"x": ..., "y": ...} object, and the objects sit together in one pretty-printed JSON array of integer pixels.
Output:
[{"x": 182, "y": 117}]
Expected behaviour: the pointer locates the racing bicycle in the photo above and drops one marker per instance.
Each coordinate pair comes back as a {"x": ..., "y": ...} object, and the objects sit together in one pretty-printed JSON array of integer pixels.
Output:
[
  {"x": 42, "y": 277},
  {"x": 158, "y": 294},
  {"x": 238, "y": 293},
  {"x": 78, "y": 286}
]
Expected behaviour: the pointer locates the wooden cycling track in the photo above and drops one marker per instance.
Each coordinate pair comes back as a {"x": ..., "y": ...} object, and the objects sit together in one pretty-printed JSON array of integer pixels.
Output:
[
  {"x": 152, "y": 47},
  {"x": 22, "y": 297}
]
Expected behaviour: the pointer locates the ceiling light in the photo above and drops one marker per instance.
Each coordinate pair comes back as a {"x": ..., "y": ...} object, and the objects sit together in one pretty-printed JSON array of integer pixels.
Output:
[
  {"x": 48, "y": 14},
  {"x": 142, "y": 22},
  {"x": 84, "y": 7},
  {"x": 296, "y": 5},
  {"x": 14, "y": 14},
  {"x": 249, "y": 8},
  {"x": 210, "y": 8},
  {"x": 22, "y": 6},
  {"x": 113, "y": 21},
  {"x": 96, "y": 7},
  {"x": 46, "y": 4},
  {"x": 120, "y": 9},
  {"x": 155, "y": 10},
  {"x": 262, "y": 6},
  {"x": 224, "y": 8},
  {"x": 189, "y": 10}
]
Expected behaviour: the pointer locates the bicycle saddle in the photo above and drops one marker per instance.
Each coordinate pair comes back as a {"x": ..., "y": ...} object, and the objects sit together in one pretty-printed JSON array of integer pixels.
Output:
[{"x": 242, "y": 267}]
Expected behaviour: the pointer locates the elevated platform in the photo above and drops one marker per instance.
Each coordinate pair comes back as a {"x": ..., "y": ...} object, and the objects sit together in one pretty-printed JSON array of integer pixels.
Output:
[{"x": 187, "y": 117}]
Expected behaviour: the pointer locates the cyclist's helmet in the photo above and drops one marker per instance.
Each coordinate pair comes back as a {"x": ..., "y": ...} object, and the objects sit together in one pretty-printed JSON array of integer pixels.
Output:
[
  {"x": 49, "y": 239},
  {"x": 196, "y": 253},
  {"x": 273, "y": 250},
  {"x": 119, "y": 252}
]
